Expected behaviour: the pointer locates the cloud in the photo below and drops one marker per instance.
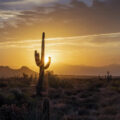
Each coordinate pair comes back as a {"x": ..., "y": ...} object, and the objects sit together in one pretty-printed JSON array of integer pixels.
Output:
[
  {"x": 10, "y": 16},
  {"x": 87, "y": 2},
  {"x": 28, "y": 4},
  {"x": 28, "y": 18},
  {"x": 89, "y": 41}
]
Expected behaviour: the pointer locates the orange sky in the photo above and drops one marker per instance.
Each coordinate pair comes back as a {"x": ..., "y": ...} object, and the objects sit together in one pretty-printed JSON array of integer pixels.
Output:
[
  {"x": 79, "y": 50},
  {"x": 77, "y": 32}
]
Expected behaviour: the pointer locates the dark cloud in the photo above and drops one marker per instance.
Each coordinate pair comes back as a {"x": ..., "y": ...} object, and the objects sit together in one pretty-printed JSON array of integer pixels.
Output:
[
  {"x": 73, "y": 19},
  {"x": 8, "y": 1},
  {"x": 100, "y": 18}
]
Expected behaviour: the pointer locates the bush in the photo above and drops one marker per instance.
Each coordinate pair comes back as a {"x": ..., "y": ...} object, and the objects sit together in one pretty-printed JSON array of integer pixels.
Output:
[
  {"x": 13, "y": 112},
  {"x": 55, "y": 82},
  {"x": 2, "y": 99}
]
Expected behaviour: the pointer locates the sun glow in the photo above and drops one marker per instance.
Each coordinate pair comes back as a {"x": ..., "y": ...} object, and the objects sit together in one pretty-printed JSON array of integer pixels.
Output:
[
  {"x": 53, "y": 59},
  {"x": 46, "y": 59}
]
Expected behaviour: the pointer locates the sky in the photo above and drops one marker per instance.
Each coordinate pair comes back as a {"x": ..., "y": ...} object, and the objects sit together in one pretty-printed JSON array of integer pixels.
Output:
[{"x": 78, "y": 32}]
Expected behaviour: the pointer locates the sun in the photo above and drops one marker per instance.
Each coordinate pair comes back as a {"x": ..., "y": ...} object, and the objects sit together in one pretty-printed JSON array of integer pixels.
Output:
[
  {"x": 53, "y": 59},
  {"x": 46, "y": 59}
]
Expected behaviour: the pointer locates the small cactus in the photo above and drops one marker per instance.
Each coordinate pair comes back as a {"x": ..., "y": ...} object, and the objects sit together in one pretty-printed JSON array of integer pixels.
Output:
[
  {"x": 109, "y": 76},
  {"x": 41, "y": 64}
]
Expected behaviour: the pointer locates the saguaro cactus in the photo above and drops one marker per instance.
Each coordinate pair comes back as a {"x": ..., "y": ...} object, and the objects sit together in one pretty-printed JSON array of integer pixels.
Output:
[{"x": 40, "y": 62}]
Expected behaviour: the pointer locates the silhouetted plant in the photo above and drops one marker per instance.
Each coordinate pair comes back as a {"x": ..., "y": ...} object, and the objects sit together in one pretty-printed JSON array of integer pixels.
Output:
[
  {"x": 109, "y": 76},
  {"x": 55, "y": 82},
  {"x": 41, "y": 64},
  {"x": 25, "y": 112},
  {"x": 13, "y": 112},
  {"x": 25, "y": 76}
]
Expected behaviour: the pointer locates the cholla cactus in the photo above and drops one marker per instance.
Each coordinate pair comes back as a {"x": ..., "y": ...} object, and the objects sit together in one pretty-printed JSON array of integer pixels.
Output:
[
  {"x": 109, "y": 76},
  {"x": 41, "y": 64}
]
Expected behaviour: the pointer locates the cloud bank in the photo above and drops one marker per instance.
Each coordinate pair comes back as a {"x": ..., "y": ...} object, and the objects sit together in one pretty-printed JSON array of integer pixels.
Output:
[
  {"x": 111, "y": 40},
  {"x": 29, "y": 18}
]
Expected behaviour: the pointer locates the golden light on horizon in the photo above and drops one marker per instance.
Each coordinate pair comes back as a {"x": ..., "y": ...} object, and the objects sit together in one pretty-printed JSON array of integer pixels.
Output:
[{"x": 75, "y": 50}]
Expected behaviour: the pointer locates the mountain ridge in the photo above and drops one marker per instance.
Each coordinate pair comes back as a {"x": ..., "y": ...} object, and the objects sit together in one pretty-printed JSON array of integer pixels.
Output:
[
  {"x": 114, "y": 69},
  {"x": 6, "y": 72}
]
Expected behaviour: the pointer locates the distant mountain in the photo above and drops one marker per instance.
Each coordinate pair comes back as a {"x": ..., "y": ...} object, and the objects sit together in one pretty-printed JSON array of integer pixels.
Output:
[
  {"x": 6, "y": 72},
  {"x": 114, "y": 69},
  {"x": 62, "y": 69}
]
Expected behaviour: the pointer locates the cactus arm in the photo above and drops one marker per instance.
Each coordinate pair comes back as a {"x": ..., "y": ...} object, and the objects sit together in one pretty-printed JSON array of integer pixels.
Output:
[
  {"x": 48, "y": 64},
  {"x": 37, "y": 59}
]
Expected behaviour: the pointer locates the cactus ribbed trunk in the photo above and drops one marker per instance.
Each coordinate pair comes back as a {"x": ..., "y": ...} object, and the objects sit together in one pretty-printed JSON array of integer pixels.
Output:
[
  {"x": 39, "y": 86},
  {"x": 40, "y": 63}
]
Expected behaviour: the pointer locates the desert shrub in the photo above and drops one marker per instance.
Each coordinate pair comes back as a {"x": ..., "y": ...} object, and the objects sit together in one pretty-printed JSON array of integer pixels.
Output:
[
  {"x": 115, "y": 85},
  {"x": 71, "y": 92},
  {"x": 109, "y": 110},
  {"x": 91, "y": 100},
  {"x": 56, "y": 82},
  {"x": 106, "y": 117},
  {"x": 6, "y": 99},
  {"x": 86, "y": 94},
  {"x": 13, "y": 112},
  {"x": 73, "y": 102},
  {"x": 93, "y": 88},
  {"x": 75, "y": 117},
  {"x": 91, "y": 106},
  {"x": 65, "y": 84},
  {"x": 16, "y": 82},
  {"x": 2, "y": 85},
  {"x": 68, "y": 93},
  {"x": 83, "y": 112},
  {"x": 117, "y": 89},
  {"x": 2, "y": 99},
  {"x": 53, "y": 82},
  {"x": 17, "y": 93},
  {"x": 14, "y": 97},
  {"x": 55, "y": 93}
]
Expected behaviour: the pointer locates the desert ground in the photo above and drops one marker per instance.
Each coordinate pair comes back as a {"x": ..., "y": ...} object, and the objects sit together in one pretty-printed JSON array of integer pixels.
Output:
[{"x": 70, "y": 98}]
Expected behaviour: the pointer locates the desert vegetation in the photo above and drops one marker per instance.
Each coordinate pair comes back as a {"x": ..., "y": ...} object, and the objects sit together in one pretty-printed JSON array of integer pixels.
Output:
[
  {"x": 73, "y": 73},
  {"x": 63, "y": 98}
]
